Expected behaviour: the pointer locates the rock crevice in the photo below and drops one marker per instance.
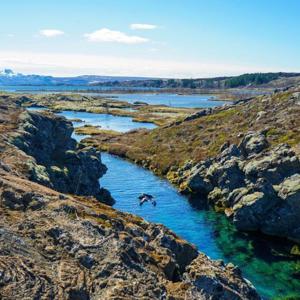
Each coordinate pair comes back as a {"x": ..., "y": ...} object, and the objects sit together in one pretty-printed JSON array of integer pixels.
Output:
[{"x": 53, "y": 158}]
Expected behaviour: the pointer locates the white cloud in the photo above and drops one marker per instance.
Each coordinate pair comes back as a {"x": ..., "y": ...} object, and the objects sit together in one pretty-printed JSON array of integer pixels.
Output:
[
  {"x": 107, "y": 35},
  {"x": 153, "y": 49},
  {"x": 51, "y": 32},
  {"x": 137, "y": 26},
  {"x": 62, "y": 64}
]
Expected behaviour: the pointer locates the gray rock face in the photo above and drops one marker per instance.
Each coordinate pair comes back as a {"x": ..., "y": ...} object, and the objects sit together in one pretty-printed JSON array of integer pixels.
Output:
[
  {"x": 252, "y": 208},
  {"x": 54, "y": 160},
  {"x": 199, "y": 183},
  {"x": 212, "y": 282},
  {"x": 253, "y": 143},
  {"x": 274, "y": 166},
  {"x": 289, "y": 190},
  {"x": 201, "y": 113},
  {"x": 259, "y": 188},
  {"x": 284, "y": 220}
]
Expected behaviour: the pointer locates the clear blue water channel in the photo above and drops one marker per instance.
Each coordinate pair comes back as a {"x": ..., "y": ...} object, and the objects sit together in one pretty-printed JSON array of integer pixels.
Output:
[{"x": 272, "y": 274}]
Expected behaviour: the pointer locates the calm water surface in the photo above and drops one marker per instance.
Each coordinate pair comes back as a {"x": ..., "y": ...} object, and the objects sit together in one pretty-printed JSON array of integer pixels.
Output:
[
  {"x": 173, "y": 100},
  {"x": 105, "y": 121}
]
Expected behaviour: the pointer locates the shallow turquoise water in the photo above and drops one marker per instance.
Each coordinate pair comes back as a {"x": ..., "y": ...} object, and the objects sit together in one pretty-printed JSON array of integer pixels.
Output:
[
  {"x": 126, "y": 181},
  {"x": 174, "y": 100}
]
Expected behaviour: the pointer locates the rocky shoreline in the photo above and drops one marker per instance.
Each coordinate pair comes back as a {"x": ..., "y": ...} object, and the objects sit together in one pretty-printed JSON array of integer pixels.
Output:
[
  {"x": 59, "y": 242},
  {"x": 258, "y": 188}
]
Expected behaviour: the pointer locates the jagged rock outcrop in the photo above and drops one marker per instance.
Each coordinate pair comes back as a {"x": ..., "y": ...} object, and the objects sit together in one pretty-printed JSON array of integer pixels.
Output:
[
  {"x": 55, "y": 246},
  {"x": 50, "y": 156},
  {"x": 60, "y": 246},
  {"x": 257, "y": 186}
]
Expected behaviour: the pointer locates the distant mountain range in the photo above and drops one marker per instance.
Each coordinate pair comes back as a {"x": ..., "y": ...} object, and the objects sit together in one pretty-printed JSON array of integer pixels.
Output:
[
  {"x": 253, "y": 80},
  {"x": 9, "y": 77}
]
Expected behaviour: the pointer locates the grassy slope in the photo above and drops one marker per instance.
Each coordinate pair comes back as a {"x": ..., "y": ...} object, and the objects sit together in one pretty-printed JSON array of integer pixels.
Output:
[{"x": 162, "y": 148}]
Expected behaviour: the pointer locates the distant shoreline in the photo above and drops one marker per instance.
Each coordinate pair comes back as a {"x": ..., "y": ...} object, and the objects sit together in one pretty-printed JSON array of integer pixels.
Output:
[{"x": 217, "y": 94}]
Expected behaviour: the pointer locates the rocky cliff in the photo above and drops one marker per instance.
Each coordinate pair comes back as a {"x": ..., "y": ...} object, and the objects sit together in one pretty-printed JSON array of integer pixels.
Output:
[
  {"x": 48, "y": 155},
  {"x": 258, "y": 187},
  {"x": 55, "y": 245}
]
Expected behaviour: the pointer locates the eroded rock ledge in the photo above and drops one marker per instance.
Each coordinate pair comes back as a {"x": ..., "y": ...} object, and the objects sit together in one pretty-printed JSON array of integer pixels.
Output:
[
  {"x": 55, "y": 247},
  {"x": 58, "y": 246},
  {"x": 48, "y": 155},
  {"x": 258, "y": 187}
]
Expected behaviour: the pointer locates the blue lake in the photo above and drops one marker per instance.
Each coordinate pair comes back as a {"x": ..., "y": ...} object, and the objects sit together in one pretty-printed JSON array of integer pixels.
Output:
[{"x": 173, "y": 100}]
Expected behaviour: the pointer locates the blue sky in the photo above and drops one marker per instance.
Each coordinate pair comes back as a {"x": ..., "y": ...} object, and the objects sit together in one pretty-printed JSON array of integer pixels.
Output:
[{"x": 169, "y": 38}]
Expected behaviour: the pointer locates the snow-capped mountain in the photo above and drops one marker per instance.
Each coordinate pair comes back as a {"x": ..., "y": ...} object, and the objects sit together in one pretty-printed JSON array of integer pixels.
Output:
[
  {"x": 9, "y": 73},
  {"x": 9, "y": 77}
]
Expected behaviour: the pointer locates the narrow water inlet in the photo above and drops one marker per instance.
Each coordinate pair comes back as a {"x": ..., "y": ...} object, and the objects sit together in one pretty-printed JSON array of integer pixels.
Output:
[
  {"x": 270, "y": 272},
  {"x": 211, "y": 232}
]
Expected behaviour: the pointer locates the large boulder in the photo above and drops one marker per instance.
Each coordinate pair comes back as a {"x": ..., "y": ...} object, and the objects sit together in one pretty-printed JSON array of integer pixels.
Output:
[
  {"x": 250, "y": 210},
  {"x": 53, "y": 159},
  {"x": 275, "y": 165},
  {"x": 284, "y": 221},
  {"x": 226, "y": 175},
  {"x": 197, "y": 183},
  {"x": 254, "y": 205},
  {"x": 209, "y": 280},
  {"x": 253, "y": 143}
]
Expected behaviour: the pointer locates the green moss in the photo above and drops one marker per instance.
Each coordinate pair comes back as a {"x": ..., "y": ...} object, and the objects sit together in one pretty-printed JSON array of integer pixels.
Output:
[
  {"x": 272, "y": 131},
  {"x": 291, "y": 137},
  {"x": 221, "y": 115}
]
